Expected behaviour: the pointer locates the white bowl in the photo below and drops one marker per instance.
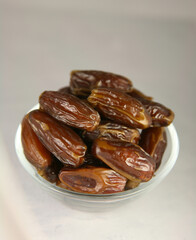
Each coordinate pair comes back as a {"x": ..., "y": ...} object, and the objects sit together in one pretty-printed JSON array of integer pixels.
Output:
[{"x": 103, "y": 201}]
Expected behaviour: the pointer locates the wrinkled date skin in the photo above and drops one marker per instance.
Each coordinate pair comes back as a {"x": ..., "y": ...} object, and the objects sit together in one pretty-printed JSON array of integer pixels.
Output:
[
  {"x": 120, "y": 107},
  {"x": 113, "y": 131},
  {"x": 69, "y": 110},
  {"x": 82, "y": 82},
  {"x": 34, "y": 150},
  {"x": 93, "y": 180},
  {"x": 59, "y": 139},
  {"x": 128, "y": 159},
  {"x": 154, "y": 142},
  {"x": 161, "y": 115}
]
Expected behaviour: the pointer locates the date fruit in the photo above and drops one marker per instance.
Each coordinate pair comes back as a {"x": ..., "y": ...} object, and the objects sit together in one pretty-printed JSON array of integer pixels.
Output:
[
  {"x": 82, "y": 82},
  {"x": 120, "y": 107},
  {"x": 154, "y": 142},
  {"x": 93, "y": 180},
  {"x": 113, "y": 131},
  {"x": 62, "y": 185},
  {"x": 138, "y": 94},
  {"x": 161, "y": 115},
  {"x": 51, "y": 172},
  {"x": 70, "y": 110},
  {"x": 98, "y": 135},
  {"x": 91, "y": 160},
  {"x": 65, "y": 90},
  {"x": 34, "y": 150},
  {"x": 128, "y": 159},
  {"x": 132, "y": 184},
  {"x": 59, "y": 139}
]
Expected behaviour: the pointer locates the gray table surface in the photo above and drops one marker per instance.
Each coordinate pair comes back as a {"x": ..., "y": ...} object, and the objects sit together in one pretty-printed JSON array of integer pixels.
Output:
[{"x": 41, "y": 44}]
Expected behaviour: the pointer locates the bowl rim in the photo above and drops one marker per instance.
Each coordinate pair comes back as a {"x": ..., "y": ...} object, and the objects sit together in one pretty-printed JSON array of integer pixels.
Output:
[{"x": 143, "y": 187}]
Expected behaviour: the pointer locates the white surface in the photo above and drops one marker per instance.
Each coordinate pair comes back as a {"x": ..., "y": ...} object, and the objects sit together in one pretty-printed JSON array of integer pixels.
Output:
[{"x": 41, "y": 44}]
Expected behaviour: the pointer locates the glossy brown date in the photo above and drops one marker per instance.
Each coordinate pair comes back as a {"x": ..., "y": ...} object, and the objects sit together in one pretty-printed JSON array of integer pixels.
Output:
[
  {"x": 161, "y": 115},
  {"x": 154, "y": 142},
  {"x": 128, "y": 159},
  {"x": 113, "y": 131},
  {"x": 59, "y": 139},
  {"x": 33, "y": 149},
  {"x": 93, "y": 180},
  {"x": 69, "y": 110},
  {"x": 82, "y": 82},
  {"x": 120, "y": 107}
]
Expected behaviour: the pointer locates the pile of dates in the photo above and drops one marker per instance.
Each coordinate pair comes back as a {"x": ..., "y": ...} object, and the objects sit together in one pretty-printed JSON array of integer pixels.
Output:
[{"x": 98, "y": 135}]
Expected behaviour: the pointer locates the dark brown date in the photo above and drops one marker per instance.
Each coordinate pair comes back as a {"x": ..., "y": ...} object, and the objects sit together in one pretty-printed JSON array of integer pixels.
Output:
[
  {"x": 69, "y": 110},
  {"x": 65, "y": 90},
  {"x": 138, "y": 94},
  {"x": 93, "y": 180},
  {"x": 51, "y": 172},
  {"x": 82, "y": 82},
  {"x": 33, "y": 149},
  {"x": 120, "y": 107},
  {"x": 154, "y": 142},
  {"x": 113, "y": 131},
  {"x": 161, "y": 115},
  {"x": 59, "y": 139},
  {"x": 91, "y": 160},
  {"x": 128, "y": 159},
  {"x": 89, "y": 137}
]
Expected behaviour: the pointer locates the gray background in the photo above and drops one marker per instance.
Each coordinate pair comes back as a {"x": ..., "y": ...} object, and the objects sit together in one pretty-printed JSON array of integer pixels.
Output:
[{"x": 152, "y": 43}]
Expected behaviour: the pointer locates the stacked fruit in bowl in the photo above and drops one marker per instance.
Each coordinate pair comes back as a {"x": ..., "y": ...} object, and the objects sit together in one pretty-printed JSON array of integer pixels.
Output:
[{"x": 99, "y": 135}]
